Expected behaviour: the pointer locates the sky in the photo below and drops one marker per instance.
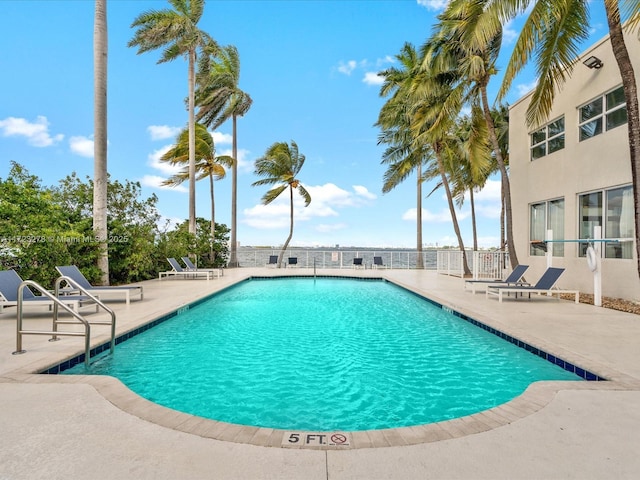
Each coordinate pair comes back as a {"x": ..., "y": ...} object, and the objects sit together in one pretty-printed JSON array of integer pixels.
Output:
[{"x": 310, "y": 67}]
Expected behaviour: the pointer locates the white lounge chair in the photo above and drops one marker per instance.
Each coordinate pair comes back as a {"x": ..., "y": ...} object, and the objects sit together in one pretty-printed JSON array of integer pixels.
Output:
[
  {"x": 546, "y": 285},
  {"x": 514, "y": 279},
  {"x": 192, "y": 268},
  {"x": 178, "y": 271},
  {"x": 76, "y": 275},
  {"x": 10, "y": 282}
]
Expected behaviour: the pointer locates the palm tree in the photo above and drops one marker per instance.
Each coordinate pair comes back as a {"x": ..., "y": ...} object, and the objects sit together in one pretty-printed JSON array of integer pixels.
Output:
[
  {"x": 471, "y": 165},
  {"x": 208, "y": 165},
  {"x": 474, "y": 63},
  {"x": 394, "y": 121},
  {"x": 177, "y": 32},
  {"x": 552, "y": 33},
  {"x": 280, "y": 166},
  {"x": 100, "y": 175},
  {"x": 220, "y": 98}
]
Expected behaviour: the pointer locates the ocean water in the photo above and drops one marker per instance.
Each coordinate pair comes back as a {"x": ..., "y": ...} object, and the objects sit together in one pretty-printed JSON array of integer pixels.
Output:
[{"x": 323, "y": 354}]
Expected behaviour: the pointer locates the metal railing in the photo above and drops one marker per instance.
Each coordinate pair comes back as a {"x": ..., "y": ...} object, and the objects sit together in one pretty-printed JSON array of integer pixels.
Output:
[
  {"x": 58, "y": 302},
  {"x": 322, "y": 259},
  {"x": 483, "y": 264}
]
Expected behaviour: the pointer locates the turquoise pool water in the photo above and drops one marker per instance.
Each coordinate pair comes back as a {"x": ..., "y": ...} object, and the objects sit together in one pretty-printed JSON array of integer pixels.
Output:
[{"x": 323, "y": 354}]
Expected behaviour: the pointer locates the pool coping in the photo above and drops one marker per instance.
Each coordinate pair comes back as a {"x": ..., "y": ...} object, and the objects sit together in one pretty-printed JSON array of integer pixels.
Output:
[{"x": 535, "y": 397}]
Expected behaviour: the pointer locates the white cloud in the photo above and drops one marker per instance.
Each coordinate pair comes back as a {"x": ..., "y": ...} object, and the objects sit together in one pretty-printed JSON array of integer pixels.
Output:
[
  {"x": 37, "y": 133},
  {"x": 224, "y": 138},
  {"x": 383, "y": 61},
  {"x": 509, "y": 32},
  {"x": 244, "y": 165},
  {"x": 492, "y": 192},
  {"x": 363, "y": 192},
  {"x": 525, "y": 88},
  {"x": 372, "y": 78},
  {"x": 154, "y": 181},
  {"x": 326, "y": 200},
  {"x": 164, "y": 167},
  {"x": 347, "y": 67},
  {"x": 436, "y": 5},
  {"x": 82, "y": 146},
  {"x": 162, "y": 132}
]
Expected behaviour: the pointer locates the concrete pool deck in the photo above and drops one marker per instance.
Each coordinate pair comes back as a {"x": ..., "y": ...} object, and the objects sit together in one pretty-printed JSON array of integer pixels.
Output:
[{"x": 79, "y": 427}]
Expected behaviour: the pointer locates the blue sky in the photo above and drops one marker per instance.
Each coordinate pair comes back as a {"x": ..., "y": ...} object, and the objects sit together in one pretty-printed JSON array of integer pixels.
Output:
[{"x": 310, "y": 67}]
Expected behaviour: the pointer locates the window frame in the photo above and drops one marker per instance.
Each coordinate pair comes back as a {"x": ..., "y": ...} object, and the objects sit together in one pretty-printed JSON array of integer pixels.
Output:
[
  {"x": 601, "y": 119},
  {"x": 547, "y": 139},
  {"x": 557, "y": 249},
  {"x": 618, "y": 251}
]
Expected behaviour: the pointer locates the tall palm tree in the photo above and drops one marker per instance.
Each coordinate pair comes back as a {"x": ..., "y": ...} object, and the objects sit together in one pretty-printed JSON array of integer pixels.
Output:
[
  {"x": 100, "y": 175},
  {"x": 281, "y": 165},
  {"x": 394, "y": 121},
  {"x": 208, "y": 165},
  {"x": 552, "y": 34},
  {"x": 177, "y": 32},
  {"x": 471, "y": 163},
  {"x": 475, "y": 64},
  {"x": 436, "y": 106},
  {"x": 219, "y": 98}
]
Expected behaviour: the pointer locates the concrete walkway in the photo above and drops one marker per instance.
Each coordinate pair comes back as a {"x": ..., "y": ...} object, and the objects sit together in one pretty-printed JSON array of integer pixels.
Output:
[{"x": 93, "y": 427}]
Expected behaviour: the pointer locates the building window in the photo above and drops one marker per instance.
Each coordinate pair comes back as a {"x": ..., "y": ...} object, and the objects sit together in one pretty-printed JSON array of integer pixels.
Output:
[
  {"x": 547, "y": 216},
  {"x": 613, "y": 211},
  {"x": 609, "y": 110},
  {"x": 548, "y": 139}
]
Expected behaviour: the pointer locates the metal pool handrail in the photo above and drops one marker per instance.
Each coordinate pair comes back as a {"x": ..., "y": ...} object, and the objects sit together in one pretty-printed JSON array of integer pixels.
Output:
[{"x": 56, "y": 303}]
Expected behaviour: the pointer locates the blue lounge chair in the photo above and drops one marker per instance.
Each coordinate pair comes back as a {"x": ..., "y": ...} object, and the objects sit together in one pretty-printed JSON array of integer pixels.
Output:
[
  {"x": 178, "y": 271},
  {"x": 514, "y": 278},
  {"x": 192, "y": 268},
  {"x": 273, "y": 261},
  {"x": 546, "y": 285},
  {"x": 357, "y": 263},
  {"x": 378, "y": 263},
  {"x": 10, "y": 282},
  {"x": 76, "y": 275},
  {"x": 292, "y": 262}
]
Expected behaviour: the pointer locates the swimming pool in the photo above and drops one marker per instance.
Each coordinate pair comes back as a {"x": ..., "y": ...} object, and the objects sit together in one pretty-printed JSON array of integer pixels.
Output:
[{"x": 323, "y": 354}]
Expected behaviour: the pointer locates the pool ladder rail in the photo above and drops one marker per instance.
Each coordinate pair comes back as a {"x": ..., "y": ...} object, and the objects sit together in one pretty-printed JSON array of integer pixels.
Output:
[{"x": 20, "y": 331}]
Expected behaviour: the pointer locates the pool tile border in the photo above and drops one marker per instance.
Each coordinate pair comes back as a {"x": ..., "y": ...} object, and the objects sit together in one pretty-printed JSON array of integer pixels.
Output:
[
  {"x": 556, "y": 360},
  {"x": 536, "y": 397}
]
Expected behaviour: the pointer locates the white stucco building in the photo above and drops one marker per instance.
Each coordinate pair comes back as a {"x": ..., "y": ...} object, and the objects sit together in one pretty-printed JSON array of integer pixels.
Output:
[{"x": 574, "y": 173}]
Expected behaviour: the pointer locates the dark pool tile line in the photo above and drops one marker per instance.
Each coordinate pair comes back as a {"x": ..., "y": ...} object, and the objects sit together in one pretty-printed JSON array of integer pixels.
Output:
[
  {"x": 568, "y": 366},
  {"x": 342, "y": 277},
  {"x": 587, "y": 375}
]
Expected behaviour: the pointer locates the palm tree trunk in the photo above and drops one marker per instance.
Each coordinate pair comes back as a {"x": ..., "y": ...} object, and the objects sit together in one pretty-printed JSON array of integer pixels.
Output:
[
  {"x": 502, "y": 221},
  {"x": 286, "y": 244},
  {"x": 100, "y": 176},
  {"x": 513, "y": 258},
  {"x": 192, "y": 143},
  {"x": 233, "y": 261},
  {"x": 213, "y": 217},
  {"x": 473, "y": 220},
  {"x": 633, "y": 111},
  {"x": 419, "y": 260},
  {"x": 452, "y": 209}
]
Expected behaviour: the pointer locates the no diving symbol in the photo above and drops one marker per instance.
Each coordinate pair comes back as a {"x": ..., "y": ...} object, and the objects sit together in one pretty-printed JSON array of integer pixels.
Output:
[{"x": 338, "y": 439}]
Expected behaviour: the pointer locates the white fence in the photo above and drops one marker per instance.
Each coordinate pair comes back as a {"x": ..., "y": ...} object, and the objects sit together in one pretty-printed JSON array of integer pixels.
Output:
[{"x": 482, "y": 263}]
